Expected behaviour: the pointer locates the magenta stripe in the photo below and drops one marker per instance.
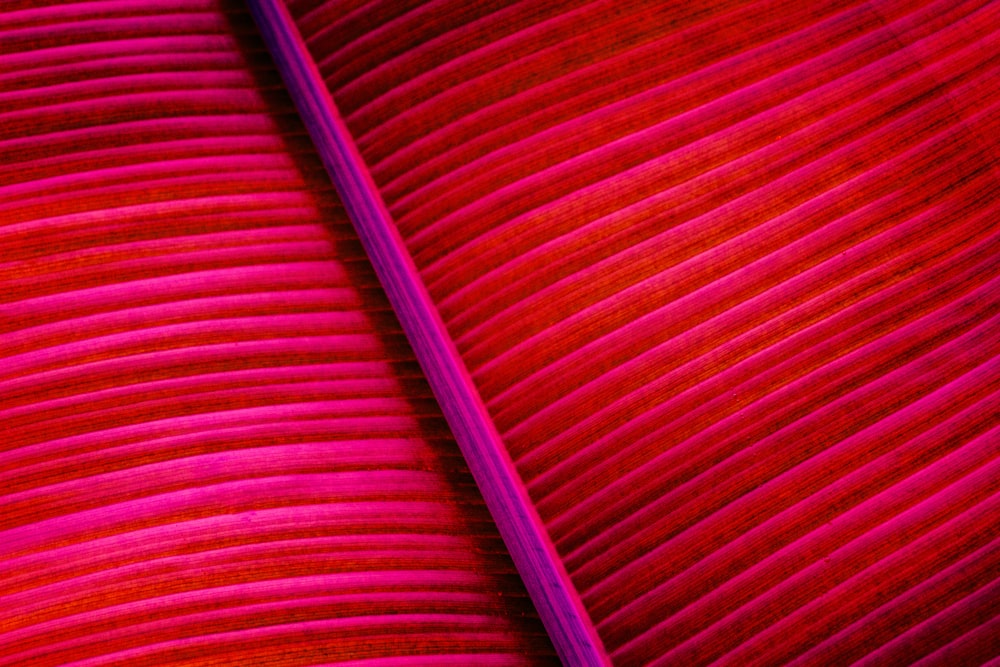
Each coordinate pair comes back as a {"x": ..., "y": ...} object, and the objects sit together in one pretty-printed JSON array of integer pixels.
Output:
[{"x": 533, "y": 553}]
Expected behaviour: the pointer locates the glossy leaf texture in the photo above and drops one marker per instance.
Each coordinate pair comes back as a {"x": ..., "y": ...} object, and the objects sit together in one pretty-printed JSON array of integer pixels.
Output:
[
  {"x": 218, "y": 447},
  {"x": 726, "y": 276}
]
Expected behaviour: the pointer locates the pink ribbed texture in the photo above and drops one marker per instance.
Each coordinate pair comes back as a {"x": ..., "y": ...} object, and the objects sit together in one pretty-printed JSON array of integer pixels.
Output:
[
  {"x": 706, "y": 296},
  {"x": 218, "y": 446}
]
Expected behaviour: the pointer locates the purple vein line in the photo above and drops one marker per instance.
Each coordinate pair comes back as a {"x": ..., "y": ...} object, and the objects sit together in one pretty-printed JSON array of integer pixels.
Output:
[{"x": 545, "y": 577}]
